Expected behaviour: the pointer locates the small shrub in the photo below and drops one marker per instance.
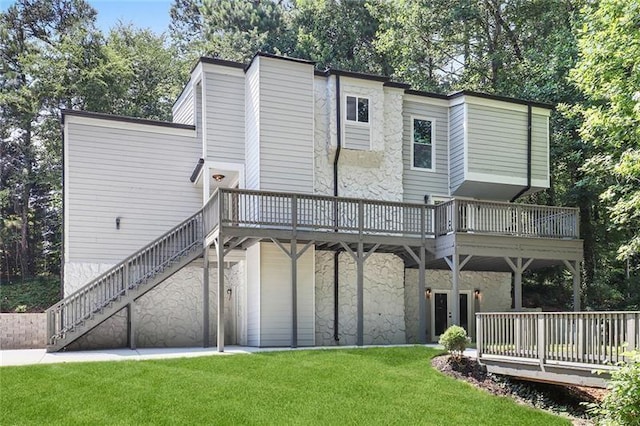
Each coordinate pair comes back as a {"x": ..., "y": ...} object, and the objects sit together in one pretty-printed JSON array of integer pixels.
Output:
[
  {"x": 621, "y": 406},
  {"x": 455, "y": 340},
  {"x": 20, "y": 309}
]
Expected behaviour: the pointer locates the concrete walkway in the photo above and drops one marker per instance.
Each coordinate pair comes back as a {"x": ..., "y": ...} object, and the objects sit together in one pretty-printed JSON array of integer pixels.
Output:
[{"x": 40, "y": 356}]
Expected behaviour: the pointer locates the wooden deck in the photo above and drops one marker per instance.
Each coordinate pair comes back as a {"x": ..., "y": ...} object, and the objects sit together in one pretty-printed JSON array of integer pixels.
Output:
[{"x": 568, "y": 347}]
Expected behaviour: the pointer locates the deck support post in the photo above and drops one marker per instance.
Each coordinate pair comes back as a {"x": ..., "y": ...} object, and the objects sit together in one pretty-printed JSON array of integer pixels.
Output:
[
  {"x": 455, "y": 264},
  {"x": 518, "y": 268},
  {"x": 205, "y": 297},
  {"x": 360, "y": 256},
  {"x": 220, "y": 259},
  {"x": 574, "y": 268},
  {"x": 293, "y": 255},
  {"x": 420, "y": 258},
  {"x": 131, "y": 325}
]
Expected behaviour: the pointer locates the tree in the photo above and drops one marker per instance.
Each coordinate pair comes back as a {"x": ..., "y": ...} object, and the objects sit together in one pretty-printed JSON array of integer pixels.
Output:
[{"x": 608, "y": 72}]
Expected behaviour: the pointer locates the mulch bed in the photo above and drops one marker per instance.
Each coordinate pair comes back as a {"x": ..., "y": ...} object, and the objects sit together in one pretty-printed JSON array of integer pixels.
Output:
[{"x": 558, "y": 399}]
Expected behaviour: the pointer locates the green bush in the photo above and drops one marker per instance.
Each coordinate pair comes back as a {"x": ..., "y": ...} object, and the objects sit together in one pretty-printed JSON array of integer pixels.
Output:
[
  {"x": 30, "y": 295},
  {"x": 621, "y": 406},
  {"x": 455, "y": 340}
]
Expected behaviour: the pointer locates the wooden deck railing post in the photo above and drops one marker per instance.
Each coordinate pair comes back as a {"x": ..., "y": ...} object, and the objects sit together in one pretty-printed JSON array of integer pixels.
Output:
[
  {"x": 541, "y": 341},
  {"x": 479, "y": 335},
  {"x": 631, "y": 323}
]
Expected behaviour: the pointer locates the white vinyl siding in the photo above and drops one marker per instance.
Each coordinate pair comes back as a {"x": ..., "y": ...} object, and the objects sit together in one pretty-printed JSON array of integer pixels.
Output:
[
  {"x": 418, "y": 182},
  {"x": 198, "y": 117},
  {"x": 456, "y": 129},
  {"x": 497, "y": 141},
  {"x": 225, "y": 109},
  {"x": 286, "y": 125},
  {"x": 357, "y": 137},
  {"x": 275, "y": 294},
  {"x": 540, "y": 149},
  {"x": 139, "y": 173},
  {"x": 183, "y": 110},
  {"x": 252, "y": 126}
]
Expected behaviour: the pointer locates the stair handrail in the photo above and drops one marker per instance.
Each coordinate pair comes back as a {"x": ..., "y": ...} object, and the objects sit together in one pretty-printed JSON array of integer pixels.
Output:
[{"x": 113, "y": 271}]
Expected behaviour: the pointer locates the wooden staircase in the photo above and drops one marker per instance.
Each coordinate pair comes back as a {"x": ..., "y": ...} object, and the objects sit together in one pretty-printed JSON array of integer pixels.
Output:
[{"x": 103, "y": 297}]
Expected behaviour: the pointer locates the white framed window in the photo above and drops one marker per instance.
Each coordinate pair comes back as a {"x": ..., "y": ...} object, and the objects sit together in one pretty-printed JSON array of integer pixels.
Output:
[
  {"x": 357, "y": 109},
  {"x": 423, "y": 132}
]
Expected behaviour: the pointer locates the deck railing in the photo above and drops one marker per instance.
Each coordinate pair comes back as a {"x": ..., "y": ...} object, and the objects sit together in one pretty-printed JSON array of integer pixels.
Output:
[
  {"x": 523, "y": 220},
  {"x": 306, "y": 212},
  {"x": 136, "y": 269},
  {"x": 283, "y": 210},
  {"x": 595, "y": 338}
]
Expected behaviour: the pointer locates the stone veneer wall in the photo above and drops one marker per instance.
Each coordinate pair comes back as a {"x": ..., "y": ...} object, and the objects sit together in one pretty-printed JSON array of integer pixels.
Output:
[
  {"x": 495, "y": 293},
  {"x": 170, "y": 315},
  {"x": 383, "y": 300},
  {"x": 23, "y": 331}
]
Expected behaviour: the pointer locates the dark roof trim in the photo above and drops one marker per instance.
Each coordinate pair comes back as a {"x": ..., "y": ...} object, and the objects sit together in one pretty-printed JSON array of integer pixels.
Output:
[
  {"x": 397, "y": 85},
  {"x": 222, "y": 62},
  {"x": 426, "y": 94},
  {"x": 361, "y": 75},
  {"x": 284, "y": 58},
  {"x": 500, "y": 98},
  {"x": 196, "y": 170},
  {"x": 125, "y": 119}
]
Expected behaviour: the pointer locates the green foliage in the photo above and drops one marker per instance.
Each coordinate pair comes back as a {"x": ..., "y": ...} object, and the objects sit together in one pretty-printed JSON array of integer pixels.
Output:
[
  {"x": 378, "y": 386},
  {"x": 455, "y": 340},
  {"x": 33, "y": 295},
  {"x": 621, "y": 406}
]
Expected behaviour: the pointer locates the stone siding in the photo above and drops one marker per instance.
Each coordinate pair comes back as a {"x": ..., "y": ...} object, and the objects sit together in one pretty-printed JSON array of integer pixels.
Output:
[
  {"x": 495, "y": 293},
  {"x": 23, "y": 331},
  {"x": 170, "y": 315},
  {"x": 383, "y": 300}
]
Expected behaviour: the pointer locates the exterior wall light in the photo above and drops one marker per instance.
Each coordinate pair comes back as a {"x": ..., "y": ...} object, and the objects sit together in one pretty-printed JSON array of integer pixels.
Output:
[
  {"x": 476, "y": 293},
  {"x": 427, "y": 293},
  {"x": 118, "y": 222},
  {"x": 218, "y": 177}
]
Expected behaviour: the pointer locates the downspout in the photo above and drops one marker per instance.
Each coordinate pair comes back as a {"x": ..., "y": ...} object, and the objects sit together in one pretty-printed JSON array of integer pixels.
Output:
[
  {"x": 336, "y": 254},
  {"x": 528, "y": 187}
]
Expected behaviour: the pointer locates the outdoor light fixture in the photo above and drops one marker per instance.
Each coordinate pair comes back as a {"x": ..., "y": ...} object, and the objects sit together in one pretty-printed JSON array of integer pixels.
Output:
[
  {"x": 427, "y": 293},
  {"x": 118, "y": 222},
  {"x": 476, "y": 293},
  {"x": 218, "y": 177}
]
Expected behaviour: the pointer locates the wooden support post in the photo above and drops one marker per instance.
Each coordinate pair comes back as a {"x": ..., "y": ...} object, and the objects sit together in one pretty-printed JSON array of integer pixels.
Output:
[
  {"x": 455, "y": 290},
  {"x": 422, "y": 300},
  {"x": 360, "y": 295},
  {"x": 517, "y": 285},
  {"x": 131, "y": 326},
  {"x": 220, "y": 259},
  {"x": 294, "y": 294},
  {"x": 631, "y": 323},
  {"x": 205, "y": 297},
  {"x": 540, "y": 340}
]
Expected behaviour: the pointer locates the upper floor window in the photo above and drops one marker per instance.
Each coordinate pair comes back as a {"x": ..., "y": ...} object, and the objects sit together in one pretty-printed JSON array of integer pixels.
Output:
[
  {"x": 423, "y": 143},
  {"x": 357, "y": 109}
]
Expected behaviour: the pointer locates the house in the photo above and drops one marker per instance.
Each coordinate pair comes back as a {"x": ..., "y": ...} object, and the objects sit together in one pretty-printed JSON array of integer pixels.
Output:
[{"x": 285, "y": 206}]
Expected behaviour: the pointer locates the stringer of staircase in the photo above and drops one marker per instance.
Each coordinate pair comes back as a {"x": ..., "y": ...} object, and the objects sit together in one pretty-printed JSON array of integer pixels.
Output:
[{"x": 101, "y": 298}]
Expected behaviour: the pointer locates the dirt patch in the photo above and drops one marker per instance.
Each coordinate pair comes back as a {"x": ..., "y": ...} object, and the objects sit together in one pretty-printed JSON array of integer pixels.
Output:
[{"x": 563, "y": 400}]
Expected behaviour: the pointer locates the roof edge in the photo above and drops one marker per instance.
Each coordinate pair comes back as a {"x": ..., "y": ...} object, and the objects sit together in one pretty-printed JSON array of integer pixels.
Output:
[{"x": 125, "y": 119}]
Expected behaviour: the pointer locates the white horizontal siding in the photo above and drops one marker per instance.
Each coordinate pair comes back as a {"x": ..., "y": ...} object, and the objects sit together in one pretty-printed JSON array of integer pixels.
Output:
[
  {"x": 275, "y": 290},
  {"x": 540, "y": 147},
  {"x": 285, "y": 125},
  {"x": 456, "y": 150},
  {"x": 497, "y": 141},
  {"x": 252, "y": 125},
  {"x": 122, "y": 171},
  {"x": 183, "y": 111},
  {"x": 418, "y": 183},
  {"x": 357, "y": 137},
  {"x": 224, "y": 117}
]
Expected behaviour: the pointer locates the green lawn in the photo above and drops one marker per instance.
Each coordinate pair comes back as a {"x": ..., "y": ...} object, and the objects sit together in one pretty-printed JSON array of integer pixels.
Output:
[{"x": 365, "y": 386}]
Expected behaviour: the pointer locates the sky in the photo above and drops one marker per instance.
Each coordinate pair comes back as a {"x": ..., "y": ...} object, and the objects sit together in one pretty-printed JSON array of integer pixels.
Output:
[{"x": 152, "y": 14}]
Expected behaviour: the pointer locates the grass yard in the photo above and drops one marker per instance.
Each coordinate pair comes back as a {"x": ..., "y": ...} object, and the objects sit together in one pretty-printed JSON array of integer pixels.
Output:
[{"x": 365, "y": 386}]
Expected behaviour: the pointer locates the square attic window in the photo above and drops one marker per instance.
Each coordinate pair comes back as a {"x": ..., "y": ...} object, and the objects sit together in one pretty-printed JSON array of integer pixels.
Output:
[{"x": 357, "y": 109}]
